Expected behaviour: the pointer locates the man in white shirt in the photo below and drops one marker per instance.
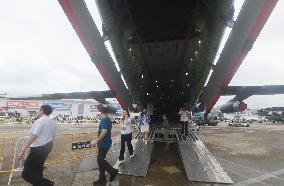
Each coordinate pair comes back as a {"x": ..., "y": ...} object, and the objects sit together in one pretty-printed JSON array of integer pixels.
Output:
[
  {"x": 40, "y": 142},
  {"x": 185, "y": 116}
]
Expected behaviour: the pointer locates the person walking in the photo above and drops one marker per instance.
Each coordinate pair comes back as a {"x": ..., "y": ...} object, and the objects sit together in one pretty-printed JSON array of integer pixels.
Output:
[
  {"x": 144, "y": 121},
  {"x": 166, "y": 128},
  {"x": 184, "y": 119},
  {"x": 103, "y": 142},
  {"x": 126, "y": 136},
  {"x": 40, "y": 142},
  {"x": 150, "y": 111}
]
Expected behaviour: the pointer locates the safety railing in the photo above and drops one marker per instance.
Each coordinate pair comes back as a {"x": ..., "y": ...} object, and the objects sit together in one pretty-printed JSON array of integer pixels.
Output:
[
  {"x": 6, "y": 153},
  {"x": 2, "y": 121},
  {"x": 79, "y": 148},
  {"x": 66, "y": 147}
]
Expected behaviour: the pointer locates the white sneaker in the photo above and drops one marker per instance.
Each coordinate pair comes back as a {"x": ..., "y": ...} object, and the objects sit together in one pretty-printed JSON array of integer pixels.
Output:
[
  {"x": 131, "y": 156},
  {"x": 120, "y": 161},
  {"x": 116, "y": 165}
]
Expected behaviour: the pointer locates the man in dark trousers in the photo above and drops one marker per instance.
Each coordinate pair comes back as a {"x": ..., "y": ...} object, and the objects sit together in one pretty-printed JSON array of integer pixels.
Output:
[
  {"x": 40, "y": 142},
  {"x": 104, "y": 143}
]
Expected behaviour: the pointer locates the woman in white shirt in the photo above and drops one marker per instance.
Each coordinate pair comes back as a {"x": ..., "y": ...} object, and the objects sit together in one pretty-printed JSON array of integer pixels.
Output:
[
  {"x": 184, "y": 118},
  {"x": 126, "y": 135}
]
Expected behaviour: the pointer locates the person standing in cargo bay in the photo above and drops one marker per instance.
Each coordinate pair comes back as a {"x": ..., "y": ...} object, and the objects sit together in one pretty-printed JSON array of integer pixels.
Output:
[
  {"x": 144, "y": 120},
  {"x": 185, "y": 116}
]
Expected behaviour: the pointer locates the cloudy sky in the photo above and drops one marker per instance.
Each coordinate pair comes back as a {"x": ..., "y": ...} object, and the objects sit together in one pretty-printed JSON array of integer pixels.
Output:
[{"x": 41, "y": 53}]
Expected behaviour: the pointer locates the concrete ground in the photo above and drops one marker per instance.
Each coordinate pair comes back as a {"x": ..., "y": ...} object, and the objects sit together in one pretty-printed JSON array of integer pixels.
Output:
[
  {"x": 250, "y": 156},
  {"x": 16, "y": 130}
]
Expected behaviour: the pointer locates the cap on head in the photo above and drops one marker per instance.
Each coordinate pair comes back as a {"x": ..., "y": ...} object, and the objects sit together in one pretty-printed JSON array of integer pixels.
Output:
[{"x": 46, "y": 109}]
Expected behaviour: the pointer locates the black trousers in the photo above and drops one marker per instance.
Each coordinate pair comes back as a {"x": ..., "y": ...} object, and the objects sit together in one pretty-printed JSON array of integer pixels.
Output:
[
  {"x": 184, "y": 127},
  {"x": 33, "y": 166},
  {"x": 103, "y": 164},
  {"x": 151, "y": 121},
  {"x": 125, "y": 138}
]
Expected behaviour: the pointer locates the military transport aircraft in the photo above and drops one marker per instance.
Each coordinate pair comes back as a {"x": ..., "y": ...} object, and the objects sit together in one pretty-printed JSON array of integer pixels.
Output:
[{"x": 165, "y": 50}]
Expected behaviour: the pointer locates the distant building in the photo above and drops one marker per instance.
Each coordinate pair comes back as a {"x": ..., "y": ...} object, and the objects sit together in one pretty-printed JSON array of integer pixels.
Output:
[{"x": 64, "y": 107}]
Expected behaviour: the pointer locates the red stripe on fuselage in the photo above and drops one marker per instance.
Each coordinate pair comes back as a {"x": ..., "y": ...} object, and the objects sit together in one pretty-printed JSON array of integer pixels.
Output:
[
  {"x": 79, "y": 29},
  {"x": 73, "y": 19},
  {"x": 255, "y": 31},
  {"x": 262, "y": 18},
  {"x": 105, "y": 76}
]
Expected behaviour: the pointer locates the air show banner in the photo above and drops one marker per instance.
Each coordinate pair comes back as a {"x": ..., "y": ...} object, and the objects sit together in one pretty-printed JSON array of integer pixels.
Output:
[
  {"x": 22, "y": 104},
  {"x": 60, "y": 106},
  {"x": 81, "y": 145}
]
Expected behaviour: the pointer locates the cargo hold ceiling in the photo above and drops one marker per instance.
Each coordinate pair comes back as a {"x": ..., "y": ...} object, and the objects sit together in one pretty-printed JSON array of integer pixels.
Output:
[{"x": 164, "y": 47}]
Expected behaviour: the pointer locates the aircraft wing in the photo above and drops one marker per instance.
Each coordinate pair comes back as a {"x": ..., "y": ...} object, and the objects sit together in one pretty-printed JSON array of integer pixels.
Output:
[
  {"x": 243, "y": 92},
  {"x": 97, "y": 95}
]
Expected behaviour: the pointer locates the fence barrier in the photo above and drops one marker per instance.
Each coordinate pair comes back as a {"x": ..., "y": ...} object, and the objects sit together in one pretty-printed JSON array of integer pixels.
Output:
[{"x": 66, "y": 147}]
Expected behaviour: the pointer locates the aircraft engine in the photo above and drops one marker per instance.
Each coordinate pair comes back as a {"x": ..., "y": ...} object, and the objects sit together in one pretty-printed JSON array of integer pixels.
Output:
[{"x": 232, "y": 107}]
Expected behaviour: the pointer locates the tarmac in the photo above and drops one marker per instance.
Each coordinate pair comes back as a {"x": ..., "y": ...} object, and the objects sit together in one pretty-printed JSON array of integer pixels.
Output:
[{"x": 250, "y": 156}]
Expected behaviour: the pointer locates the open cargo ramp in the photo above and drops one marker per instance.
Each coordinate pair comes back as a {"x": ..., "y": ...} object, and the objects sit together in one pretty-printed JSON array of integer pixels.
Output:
[
  {"x": 138, "y": 165},
  {"x": 199, "y": 163}
]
